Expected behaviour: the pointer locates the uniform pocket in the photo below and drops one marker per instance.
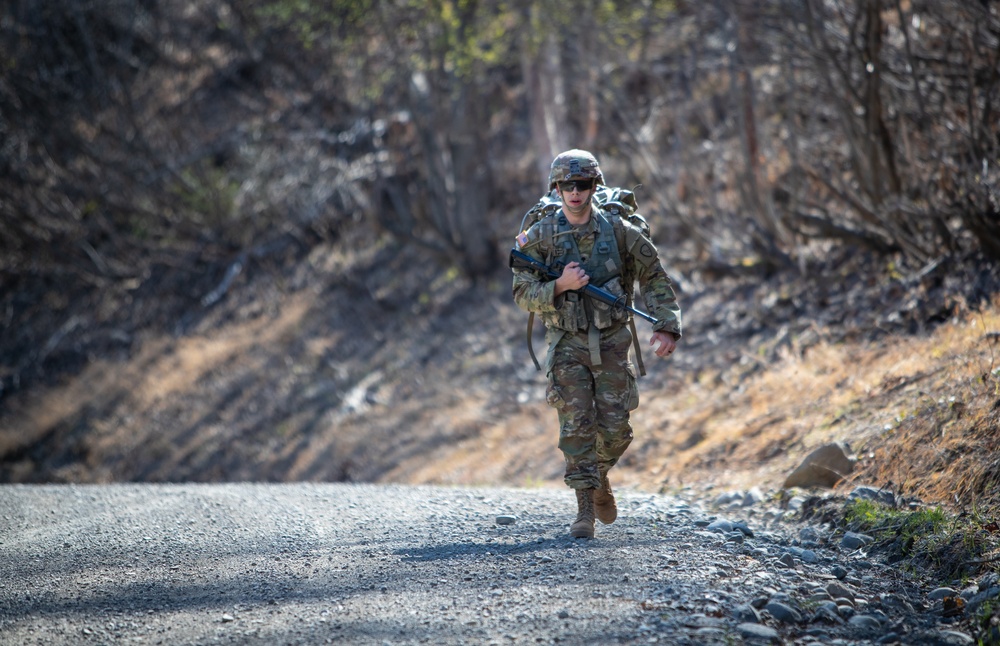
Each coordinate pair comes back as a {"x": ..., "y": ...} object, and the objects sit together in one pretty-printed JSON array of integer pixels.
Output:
[
  {"x": 605, "y": 314},
  {"x": 569, "y": 314},
  {"x": 553, "y": 396},
  {"x": 631, "y": 388}
]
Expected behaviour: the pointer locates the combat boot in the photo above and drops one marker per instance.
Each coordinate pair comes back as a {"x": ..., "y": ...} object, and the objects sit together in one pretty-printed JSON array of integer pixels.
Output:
[
  {"x": 584, "y": 525},
  {"x": 604, "y": 501}
]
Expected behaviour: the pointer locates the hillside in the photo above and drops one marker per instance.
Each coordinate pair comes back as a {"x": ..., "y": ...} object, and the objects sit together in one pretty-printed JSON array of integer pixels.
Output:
[
  {"x": 267, "y": 241},
  {"x": 368, "y": 366}
]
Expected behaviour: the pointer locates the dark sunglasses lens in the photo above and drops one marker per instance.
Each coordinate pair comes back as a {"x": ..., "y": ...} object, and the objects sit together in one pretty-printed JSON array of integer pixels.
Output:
[{"x": 580, "y": 185}]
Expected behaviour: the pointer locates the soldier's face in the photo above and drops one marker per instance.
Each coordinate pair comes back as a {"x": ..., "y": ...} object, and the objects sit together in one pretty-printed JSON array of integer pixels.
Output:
[{"x": 576, "y": 194}]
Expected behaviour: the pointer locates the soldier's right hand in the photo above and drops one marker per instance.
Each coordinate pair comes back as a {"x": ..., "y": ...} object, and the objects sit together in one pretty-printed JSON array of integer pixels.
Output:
[{"x": 573, "y": 277}]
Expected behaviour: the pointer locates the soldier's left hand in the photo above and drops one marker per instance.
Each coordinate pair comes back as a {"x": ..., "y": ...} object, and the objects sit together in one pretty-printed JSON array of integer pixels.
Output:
[{"x": 666, "y": 342}]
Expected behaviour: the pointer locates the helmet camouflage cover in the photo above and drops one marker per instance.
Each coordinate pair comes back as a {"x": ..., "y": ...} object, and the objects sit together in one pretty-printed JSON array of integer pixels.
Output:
[{"x": 574, "y": 164}]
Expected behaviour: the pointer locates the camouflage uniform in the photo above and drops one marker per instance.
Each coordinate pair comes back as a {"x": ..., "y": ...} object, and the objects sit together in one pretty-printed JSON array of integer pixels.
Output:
[{"x": 591, "y": 378}]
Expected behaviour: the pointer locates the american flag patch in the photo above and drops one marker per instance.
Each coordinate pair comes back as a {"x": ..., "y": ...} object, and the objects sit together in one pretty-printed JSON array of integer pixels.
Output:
[{"x": 522, "y": 239}]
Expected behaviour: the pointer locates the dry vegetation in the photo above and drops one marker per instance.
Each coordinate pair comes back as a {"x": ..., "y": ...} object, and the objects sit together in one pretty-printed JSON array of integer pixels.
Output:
[
  {"x": 308, "y": 384},
  {"x": 236, "y": 241},
  {"x": 921, "y": 413}
]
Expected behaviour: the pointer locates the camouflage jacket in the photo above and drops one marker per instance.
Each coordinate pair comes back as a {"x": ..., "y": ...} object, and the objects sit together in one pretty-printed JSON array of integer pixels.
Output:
[{"x": 554, "y": 242}]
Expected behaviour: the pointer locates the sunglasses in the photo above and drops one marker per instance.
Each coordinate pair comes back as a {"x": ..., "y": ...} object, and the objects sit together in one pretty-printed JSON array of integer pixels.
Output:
[{"x": 581, "y": 185}]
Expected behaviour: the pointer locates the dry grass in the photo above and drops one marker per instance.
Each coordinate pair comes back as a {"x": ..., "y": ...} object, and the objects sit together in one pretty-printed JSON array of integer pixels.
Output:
[{"x": 922, "y": 413}]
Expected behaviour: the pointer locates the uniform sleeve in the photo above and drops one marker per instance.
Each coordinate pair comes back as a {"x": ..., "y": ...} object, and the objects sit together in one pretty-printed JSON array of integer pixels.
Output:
[
  {"x": 655, "y": 285},
  {"x": 658, "y": 293},
  {"x": 532, "y": 292}
]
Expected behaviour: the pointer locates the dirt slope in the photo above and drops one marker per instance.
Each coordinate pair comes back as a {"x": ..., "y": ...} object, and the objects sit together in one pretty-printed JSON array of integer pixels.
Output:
[{"x": 360, "y": 363}]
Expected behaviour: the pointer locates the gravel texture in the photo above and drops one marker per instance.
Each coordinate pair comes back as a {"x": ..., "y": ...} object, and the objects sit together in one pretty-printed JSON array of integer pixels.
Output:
[{"x": 373, "y": 564}]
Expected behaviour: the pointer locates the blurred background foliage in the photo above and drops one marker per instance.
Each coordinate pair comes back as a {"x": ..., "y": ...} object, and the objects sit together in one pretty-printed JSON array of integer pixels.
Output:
[{"x": 150, "y": 150}]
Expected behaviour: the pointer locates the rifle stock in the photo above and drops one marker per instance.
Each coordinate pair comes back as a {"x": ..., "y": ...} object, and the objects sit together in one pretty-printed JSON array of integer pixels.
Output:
[{"x": 521, "y": 260}]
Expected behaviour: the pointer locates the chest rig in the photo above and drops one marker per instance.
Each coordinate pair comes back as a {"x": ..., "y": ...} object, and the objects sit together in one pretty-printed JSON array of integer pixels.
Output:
[
  {"x": 595, "y": 247},
  {"x": 614, "y": 206}
]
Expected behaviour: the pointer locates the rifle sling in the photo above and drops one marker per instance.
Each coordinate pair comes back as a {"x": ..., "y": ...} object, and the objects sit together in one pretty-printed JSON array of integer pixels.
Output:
[
  {"x": 531, "y": 350},
  {"x": 635, "y": 345},
  {"x": 593, "y": 334}
]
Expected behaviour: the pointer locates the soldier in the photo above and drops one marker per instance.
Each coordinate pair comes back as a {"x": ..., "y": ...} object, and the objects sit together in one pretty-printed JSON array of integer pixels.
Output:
[{"x": 591, "y": 379}]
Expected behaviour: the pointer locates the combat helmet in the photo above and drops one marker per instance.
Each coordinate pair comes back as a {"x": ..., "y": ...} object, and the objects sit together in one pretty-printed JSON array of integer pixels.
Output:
[{"x": 574, "y": 164}]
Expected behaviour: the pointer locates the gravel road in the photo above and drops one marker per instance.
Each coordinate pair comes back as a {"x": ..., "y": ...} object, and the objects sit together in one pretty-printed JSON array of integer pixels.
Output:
[{"x": 370, "y": 564}]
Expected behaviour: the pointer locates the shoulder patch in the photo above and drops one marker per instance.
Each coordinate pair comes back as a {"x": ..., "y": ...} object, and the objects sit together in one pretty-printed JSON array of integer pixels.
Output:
[
  {"x": 639, "y": 246},
  {"x": 522, "y": 239}
]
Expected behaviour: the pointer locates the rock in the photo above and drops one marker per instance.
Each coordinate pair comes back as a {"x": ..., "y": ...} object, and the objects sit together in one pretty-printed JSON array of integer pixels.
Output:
[
  {"x": 709, "y": 635},
  {"x": 726, "y": 499},
  {"x": 865, "y": 623},
  {"x": 941, "y": 638},
  {"x": 752, "y": 497},
  {"x": 839, "y": 571},
  {"x": 853, "y": 540},
  {"x": 838, "y": 591},
  {"x": 796, "y": 502},
  {"x": 787, "y": 560},
  {"x": 808, "y": 534},
  {"x": 844, "y": 601},
  {"x": 940, "y": 593},
  {"x": 742, "y": 526},
  {"x": 746, "y": 613},
  {"x": 720, "y": 526},
  {"x": 505, "y": 519},
  {"x": 969, "y": 591},
  {"x": 824, "y": 467},
  {"x": 896, "y": 602},
  {"x": 882, "y": 496},
  {"x": 827, "y": 612},
  {"x": 981, "y": 597},
  {"x": 700, "y": 620},
  {"x": 783, "y": 613},
  {"x": 758, "y": 633},
  {"x": 990, "y": 580}
]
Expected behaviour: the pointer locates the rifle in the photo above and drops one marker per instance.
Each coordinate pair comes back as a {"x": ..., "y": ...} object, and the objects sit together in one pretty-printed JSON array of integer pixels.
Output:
[{"x": 521, "y": 260}]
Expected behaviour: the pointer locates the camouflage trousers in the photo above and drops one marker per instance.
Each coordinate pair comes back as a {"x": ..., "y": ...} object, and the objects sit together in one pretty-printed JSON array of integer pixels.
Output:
[{"x": 593, "y": 403}]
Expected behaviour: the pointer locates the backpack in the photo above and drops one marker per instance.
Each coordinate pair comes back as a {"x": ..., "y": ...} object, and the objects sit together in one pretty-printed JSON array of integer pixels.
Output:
[
  {"x": 614, "y": 200},
  {"x": 619, "y": 201}
]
